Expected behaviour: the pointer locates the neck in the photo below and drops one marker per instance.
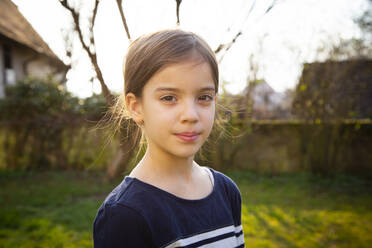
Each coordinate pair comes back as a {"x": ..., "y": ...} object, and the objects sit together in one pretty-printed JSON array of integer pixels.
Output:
[{"x": 164, "y": 165}]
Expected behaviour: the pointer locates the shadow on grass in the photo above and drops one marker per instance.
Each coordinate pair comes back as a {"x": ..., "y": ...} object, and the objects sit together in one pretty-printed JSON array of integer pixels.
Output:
[{"x": 301, "y": 210}]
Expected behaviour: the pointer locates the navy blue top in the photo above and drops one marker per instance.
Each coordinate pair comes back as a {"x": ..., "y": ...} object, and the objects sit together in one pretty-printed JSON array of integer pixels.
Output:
[{"x": 138, "y": 214}]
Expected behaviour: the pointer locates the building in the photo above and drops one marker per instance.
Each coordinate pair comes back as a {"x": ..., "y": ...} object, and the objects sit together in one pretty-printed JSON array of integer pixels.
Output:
[
  {"x": 22, "y": 51},
  {"x": 267, "y": 104}
]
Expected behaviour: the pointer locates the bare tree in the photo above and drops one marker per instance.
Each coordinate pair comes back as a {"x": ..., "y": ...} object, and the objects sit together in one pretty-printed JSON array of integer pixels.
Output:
[
  {"x": 127, "y": 144},
  {"x": 89, "y": 47}
]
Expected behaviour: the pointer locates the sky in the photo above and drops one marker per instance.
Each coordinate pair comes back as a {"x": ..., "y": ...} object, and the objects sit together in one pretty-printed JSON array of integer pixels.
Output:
[{"x": 278, "y": 42}]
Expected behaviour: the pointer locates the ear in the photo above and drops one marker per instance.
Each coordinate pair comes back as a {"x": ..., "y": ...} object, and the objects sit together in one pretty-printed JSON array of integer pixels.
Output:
[
  {"x": 215, "y": 98},
  {"x": 134, "y": 107}
]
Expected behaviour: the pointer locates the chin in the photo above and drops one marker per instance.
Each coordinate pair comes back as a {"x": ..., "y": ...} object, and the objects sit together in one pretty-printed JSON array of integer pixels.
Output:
[{"x": 186, "y": 152}]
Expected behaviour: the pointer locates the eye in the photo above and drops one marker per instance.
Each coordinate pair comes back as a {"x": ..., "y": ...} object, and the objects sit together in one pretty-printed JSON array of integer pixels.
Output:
[
  {"x": 206, "y": 98},
  {"x": 168, "y": 98}
]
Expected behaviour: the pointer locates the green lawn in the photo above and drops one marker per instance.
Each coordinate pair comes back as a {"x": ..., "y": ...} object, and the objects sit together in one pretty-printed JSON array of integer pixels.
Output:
[{"x": 56, "y": 209}]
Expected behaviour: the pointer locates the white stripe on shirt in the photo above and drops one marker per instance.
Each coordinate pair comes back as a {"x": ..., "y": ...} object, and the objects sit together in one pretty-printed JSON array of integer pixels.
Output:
[{"x": 232, "y": 241}]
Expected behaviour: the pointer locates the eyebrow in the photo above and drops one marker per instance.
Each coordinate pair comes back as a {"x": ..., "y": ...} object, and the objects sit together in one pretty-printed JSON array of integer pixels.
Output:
[{"x": 178, "y": 90}]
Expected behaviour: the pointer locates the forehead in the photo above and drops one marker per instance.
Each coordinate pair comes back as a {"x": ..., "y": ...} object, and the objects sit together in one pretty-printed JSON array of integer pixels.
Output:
[{"x": 184, "y": 76}]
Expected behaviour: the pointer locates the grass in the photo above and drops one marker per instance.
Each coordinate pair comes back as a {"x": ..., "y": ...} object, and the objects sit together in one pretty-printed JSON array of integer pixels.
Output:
[
  {"x": 301, "y": 210},
  {"x": 56, "y": 209},
  {"x": 49, "y": 209}
]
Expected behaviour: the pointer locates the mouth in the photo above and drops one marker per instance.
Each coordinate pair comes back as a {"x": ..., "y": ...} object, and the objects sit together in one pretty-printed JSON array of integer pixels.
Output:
[{"x": 188, "y": 136}]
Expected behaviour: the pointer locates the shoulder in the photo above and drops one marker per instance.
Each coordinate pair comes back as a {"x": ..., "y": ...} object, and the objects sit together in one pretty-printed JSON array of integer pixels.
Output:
[
  {"x": 233, "y": 194},
  {"x": 130, "y": 200},
  {"x": 111, "y": 216},
  {"x": 119, "y": 224},
  {"x": 227, "y": 183},
  {"x": 130, "y": 194}
]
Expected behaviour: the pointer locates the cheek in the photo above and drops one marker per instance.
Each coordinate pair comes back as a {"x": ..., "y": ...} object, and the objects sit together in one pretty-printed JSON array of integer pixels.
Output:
[
  {"x": 208, "y": 117},
  {"x": 158, "y": 118}
]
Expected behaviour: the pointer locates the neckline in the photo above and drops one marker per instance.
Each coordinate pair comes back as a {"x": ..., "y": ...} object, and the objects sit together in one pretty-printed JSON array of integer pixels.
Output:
[{"x": 173, "y": 196}]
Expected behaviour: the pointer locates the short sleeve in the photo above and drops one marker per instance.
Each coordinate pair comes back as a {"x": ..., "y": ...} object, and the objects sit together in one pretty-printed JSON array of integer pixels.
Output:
[
  {"x": 235, "y": 199},
  {"x": 120, "y": 226}
]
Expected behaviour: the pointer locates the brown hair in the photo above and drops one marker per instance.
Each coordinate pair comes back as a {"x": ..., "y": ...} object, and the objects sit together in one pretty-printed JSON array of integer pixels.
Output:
[{"x": 147, "y": 55}]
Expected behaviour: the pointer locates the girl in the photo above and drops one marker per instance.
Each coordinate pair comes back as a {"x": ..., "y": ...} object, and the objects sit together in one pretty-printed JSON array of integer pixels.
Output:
[{"x": 168, "y": 200}]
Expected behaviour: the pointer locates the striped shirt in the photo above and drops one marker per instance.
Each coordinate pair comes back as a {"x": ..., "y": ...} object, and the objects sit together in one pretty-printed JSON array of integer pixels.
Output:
[{"x": 138, "y": 214}]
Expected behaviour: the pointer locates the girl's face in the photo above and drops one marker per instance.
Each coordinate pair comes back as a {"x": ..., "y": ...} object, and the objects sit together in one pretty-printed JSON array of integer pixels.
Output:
[{"x": 178, "y": 108}]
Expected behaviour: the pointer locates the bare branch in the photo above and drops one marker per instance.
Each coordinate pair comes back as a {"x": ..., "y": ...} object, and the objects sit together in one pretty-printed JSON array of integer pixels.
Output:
[
  {"x": 91, "y": 26},
  {"x": 178, "y": 11},
  {"x": 120, "y": 7},
  {"x": 226, "y": 47},
  {"x": 76, "y": 20},
  {"x": 222, "y": 46},
  {"x": 270, "y": 7},
  {"x": 91, "y": 54},
  {"x": 94, "y": 13}
]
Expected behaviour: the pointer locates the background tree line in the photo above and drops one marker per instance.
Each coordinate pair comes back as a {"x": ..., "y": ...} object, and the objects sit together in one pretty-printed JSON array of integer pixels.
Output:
[{"x": 45, "y": 127}]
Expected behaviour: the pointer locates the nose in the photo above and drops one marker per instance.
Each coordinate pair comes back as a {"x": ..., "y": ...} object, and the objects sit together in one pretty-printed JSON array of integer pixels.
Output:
[{"x": 189, "y": 112}]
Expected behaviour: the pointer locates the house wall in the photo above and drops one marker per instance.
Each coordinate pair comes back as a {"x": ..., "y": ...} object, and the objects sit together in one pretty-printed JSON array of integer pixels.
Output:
[
  {"x": 40, "y": 67},
  {"x": 25, "y": 61}
]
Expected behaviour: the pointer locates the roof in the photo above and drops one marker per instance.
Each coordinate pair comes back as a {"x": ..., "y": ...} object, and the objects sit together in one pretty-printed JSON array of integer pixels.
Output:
[{"x": 15, "y": 26}]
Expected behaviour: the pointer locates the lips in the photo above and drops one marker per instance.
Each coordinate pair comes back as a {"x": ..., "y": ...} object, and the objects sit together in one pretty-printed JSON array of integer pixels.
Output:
[
  {"x": 188, "y": 133},
  {"x": 188, "y": 136}
]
